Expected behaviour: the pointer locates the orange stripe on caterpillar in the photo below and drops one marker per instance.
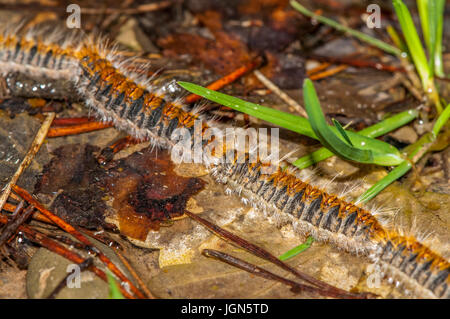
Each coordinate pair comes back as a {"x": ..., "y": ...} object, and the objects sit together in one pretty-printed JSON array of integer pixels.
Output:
[{"x": 144, "y": 112}]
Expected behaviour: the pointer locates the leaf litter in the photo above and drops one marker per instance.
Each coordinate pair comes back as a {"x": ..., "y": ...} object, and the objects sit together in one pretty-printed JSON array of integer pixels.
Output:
[{"x": 178, "y": 269}]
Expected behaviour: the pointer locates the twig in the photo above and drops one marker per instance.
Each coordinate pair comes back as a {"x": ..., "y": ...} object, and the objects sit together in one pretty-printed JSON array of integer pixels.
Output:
[
  {"x": 134, "y": 274},
  {"x": 412, "y": 89},
  {"x": 88, "y": 262},
  {"x": 74, "y": 232},
  {"x": 107, "y": 154},
  {"x": 18, "y": 208},
  {"x": 104, "y": 239},
  {"x": 140, "y": 9},
  {"x": 17, "y": 220},
  {"x": 286, "y": 98},
  {"x": 328, "y": 72},
  {"x": 227, "y": 79},
  {"x": 36, "y": 216},
  {"x": 262, "y": 253},
  {"x": 261, "y": 272},
  {"x": 67, "y": 121},
  {"x": 77, "y": 129},
  {"x": 57, "y": 248},
  {"x": 65, "y": 240},
  {"x": 34, "y": 148},
  {"x": 355, "y": 62},
  {"x": 320, "y": 67},
  {"x": 410, "y": 72},
  {"x": 442, "y": 79}
]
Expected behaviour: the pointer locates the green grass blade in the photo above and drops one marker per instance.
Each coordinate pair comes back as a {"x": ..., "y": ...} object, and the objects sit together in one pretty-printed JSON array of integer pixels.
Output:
[
  {"x": 398, "y": 171},
  {"x": 413, "y": 42},
  {"x": 324, "y": 133},
  {"x": 390, "y": 124},
  {"x": 288, "y": 121},
  {"x": 393, "y": 175},
  {"x": 422, "y": 7},
  {"x": 441, "y": 121},
  {"x": 342, "y": 132},
  {"x": 360, "y": 35},
  {"x": 295, "y": 123},
  {"x": 395, "y": 37},
  {"x": 376, "y": 130},
  {"x": 114, "y": 291},
  {"x": 438, "y": 61},
  {"x": 413, "y": 150},
  {"x": 297, "y": 250},
  {"x": 432, "y": 20},
  {"x": 376, "y": 153},
  {"x": 313, "y": 158}
]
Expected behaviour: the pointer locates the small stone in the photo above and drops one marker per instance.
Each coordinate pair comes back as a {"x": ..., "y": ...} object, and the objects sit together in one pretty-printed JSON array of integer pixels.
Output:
[
  {"x": 47, "y": 269},
  {"x": 133, "y": 37},
  {"x": 405, "y": 134}
]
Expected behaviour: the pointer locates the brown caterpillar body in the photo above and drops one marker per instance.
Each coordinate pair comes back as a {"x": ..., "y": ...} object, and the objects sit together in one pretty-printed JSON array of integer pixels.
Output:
[
  {"x": 53, "y": 59},
  {"x": 345, "y": 225},
  {"x": 325, "y": 216},
  {"x": 416, "y": 266},
  {"x": 143, "y": 111}
]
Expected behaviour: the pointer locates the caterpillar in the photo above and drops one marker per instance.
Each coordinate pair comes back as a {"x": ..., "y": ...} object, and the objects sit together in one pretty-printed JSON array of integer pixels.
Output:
[{"x": 135, "y": 106}]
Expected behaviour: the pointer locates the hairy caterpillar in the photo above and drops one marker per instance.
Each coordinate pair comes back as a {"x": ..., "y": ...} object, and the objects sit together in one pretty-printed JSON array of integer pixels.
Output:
[{"x": 133, "y": 105}]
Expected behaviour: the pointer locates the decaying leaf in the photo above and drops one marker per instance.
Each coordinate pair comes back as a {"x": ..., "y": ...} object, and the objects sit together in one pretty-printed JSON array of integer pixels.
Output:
[{"x": 146, "y": 191}]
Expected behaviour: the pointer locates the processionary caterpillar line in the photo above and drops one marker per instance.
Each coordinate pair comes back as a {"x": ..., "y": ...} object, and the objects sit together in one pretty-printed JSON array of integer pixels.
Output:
[{"x": 143, "y": 111}]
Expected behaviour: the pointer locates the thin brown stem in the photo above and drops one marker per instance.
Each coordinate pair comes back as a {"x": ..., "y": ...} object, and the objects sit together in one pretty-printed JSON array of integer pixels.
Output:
[
  {"x": 262, "y": 253},
  {"x": 261, "y": 272},
  {"x": 78, "y": 235}
]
